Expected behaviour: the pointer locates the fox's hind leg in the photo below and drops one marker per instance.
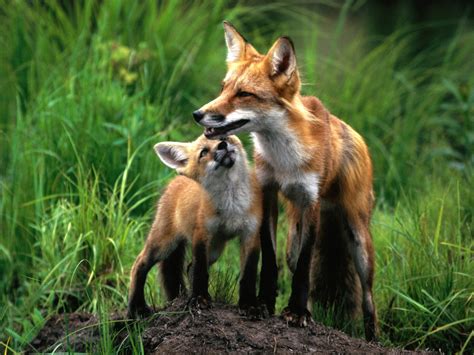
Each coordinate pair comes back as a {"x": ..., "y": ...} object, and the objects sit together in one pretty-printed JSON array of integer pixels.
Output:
[
  {"x": 362, "y": 252},
  {"x": 155, "y": 250},
  {"x": 249, "y": 255},
  {"x": 172, "y": 272}
]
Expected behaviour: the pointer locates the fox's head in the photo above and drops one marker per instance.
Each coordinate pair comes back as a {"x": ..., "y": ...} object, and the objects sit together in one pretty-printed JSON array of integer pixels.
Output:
[
  {"x": 203, "y": 160},
  {"x": 256, "y": 89}
]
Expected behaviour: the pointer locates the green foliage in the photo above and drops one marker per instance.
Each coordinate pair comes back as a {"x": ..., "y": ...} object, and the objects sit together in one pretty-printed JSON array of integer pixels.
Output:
[
  {"x": 425, "y": 271},
  {"x": 88, "y": 87}
]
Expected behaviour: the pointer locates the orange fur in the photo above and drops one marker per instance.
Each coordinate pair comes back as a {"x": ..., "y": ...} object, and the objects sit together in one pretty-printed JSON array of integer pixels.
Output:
[
  {"x": 319, "y": 164},
  {"x": 188, "y": 211}
]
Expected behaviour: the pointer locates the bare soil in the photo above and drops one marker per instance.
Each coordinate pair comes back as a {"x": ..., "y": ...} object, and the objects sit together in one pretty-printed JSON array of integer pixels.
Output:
[{"x": 219, "y": 329}]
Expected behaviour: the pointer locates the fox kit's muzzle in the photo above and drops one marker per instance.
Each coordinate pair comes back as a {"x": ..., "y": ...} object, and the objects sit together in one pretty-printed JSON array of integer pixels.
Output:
[{"x": 224, "y": 155}]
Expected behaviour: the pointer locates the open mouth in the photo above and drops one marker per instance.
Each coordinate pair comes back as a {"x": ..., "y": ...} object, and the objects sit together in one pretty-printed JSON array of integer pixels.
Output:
[{"x": 213, "y": 132}]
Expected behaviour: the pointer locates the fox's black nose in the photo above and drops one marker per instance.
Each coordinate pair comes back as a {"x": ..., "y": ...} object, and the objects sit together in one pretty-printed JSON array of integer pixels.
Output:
[
  {"x": 198, "y": 115},
  {"x": 222, "y": 145}
]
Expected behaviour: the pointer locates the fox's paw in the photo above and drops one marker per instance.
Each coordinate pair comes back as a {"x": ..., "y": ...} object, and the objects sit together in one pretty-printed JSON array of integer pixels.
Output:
[
  {"x": 199, "y": 302},
  {"x": 142, "y": 311},
  {"x": 297, "y": 319},
  {"x": 371, "y": 336},
  {"x": 254, "y": 311},
  {"x": 269, "y": 303}
]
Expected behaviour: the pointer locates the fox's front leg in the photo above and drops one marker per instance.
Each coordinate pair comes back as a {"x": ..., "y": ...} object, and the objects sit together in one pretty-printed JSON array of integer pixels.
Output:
[
  {"x": 269, "y": 272},
  {"x": 297, "y": 313},
  {"x": 199, "y": 272}
]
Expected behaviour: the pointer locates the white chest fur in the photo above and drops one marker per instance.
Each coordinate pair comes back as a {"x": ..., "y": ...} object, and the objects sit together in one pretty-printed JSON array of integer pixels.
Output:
[
  {"x": 232, "y": 198},
  {"x": 232, "y": 217},
  {"x": 285, "y": 158}
]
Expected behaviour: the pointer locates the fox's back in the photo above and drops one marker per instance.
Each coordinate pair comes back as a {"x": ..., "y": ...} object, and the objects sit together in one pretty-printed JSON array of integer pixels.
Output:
[
  {"x": 347, "y": 161},
  {"x": 180, "y": 206}
]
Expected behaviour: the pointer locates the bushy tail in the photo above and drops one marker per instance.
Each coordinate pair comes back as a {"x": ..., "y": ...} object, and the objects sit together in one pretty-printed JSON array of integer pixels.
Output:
[{"x": 334, "y": 279}]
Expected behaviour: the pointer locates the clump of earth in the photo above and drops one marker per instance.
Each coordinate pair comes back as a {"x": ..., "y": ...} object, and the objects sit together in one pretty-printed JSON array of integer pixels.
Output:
[{"x": 175, "y": 329}]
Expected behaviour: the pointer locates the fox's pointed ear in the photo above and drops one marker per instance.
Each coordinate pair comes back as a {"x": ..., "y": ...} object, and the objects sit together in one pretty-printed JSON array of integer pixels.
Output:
[
  {"x": 173, "y": 154},
  {"x": 282, "y": 57},
  {"x": 235, "y": 43}
]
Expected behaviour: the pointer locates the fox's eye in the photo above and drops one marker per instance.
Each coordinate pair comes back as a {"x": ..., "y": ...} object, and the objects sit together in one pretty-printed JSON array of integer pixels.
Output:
[
  {"x": 241, "y": 93},
  {"x": 203, "y": 153}
]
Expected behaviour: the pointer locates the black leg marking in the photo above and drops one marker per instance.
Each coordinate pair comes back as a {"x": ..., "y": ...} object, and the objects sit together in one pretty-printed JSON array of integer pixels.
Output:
[
  {"x": 363, "y": 259},
  {"x": 200, "y": 276},
  {"x": 293, "y": 246},
  {"x": 247, "y": 289},
  {"x": 300, "y": 282},
  {"x": 136, "y": 301},
  {"x": 296, "y": 313},
  {"x": 269, "y": 272},
  {"x": 172, "y": 272}
]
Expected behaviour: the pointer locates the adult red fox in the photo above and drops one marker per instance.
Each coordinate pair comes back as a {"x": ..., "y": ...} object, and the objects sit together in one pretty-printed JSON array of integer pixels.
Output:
[
  {"x": 320, "y": 165},
  {"x": 217, "y": 197}
]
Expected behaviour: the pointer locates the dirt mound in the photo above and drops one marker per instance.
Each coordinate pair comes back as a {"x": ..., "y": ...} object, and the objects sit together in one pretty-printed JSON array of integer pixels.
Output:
[{"x": 218, "y": 329}]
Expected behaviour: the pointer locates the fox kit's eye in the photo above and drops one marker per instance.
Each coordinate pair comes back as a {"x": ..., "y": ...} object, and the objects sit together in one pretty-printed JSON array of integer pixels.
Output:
[
  {"x": 241, "y": 93},
  {"x": 203, "y": 153}
]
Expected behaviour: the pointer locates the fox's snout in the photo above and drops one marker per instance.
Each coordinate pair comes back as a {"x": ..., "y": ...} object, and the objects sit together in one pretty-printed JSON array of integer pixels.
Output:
[
  {"x": 224, "y": 155},
  {"x": 214, "y": 117},
  {"x": 222, "y": 146},
  {"x": 198, "y": 115}
]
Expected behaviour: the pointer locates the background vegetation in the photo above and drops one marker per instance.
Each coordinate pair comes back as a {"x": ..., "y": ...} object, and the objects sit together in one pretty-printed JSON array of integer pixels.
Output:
[{"x": 87, "y": 88}]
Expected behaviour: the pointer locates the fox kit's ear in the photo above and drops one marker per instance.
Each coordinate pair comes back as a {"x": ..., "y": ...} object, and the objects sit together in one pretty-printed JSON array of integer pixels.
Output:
[
  {"x": 173, "y": 154},
  {"x": 235, "y": 43},
  {"x": 282, "y": 57}
]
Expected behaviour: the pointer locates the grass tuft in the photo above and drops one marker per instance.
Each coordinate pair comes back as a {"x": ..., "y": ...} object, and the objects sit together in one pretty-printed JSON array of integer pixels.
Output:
[{"x": 87, "y": 88}]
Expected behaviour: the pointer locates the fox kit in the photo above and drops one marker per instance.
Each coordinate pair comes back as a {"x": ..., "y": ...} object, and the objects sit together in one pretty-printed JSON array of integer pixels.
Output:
[
  {"x": 217, "y": 197},
  {"x": 319, "y": 164}
]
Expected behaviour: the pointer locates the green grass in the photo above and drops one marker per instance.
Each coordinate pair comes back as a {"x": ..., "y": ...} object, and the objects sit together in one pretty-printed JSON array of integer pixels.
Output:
[{"x": 85, "y": 92}]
